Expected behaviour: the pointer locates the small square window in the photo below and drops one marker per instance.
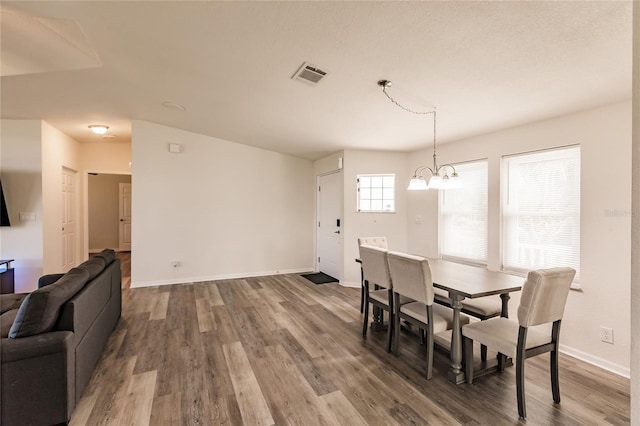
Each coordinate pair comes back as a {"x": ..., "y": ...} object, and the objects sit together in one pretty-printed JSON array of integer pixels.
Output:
[{"x": 376, "y": 193}]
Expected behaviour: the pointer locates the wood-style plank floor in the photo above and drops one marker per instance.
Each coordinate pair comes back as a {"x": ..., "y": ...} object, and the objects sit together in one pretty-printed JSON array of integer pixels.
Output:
[{"x": 281, "y": 350}]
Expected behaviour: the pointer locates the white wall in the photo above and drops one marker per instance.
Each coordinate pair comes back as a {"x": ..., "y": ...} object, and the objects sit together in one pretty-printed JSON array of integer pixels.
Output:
[
  {"x": 106, "y": 157},
  {"x": 219, "y": 208},
  {"x": 604, "y": 135},
  {"x": 58, "y": 151},
  {"x": 391, "y": 225},
  {"x": 21, "y": 173}
]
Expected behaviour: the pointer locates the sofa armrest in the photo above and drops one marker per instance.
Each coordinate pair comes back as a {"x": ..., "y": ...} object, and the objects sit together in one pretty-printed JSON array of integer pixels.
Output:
[
  {"x": 37, "y": 382},
  {"x": 45, "y": 280},
  {"x": 12, "y": 350}
]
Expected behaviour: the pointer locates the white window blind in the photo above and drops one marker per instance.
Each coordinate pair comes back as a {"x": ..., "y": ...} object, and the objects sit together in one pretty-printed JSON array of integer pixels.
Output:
[
  {"x": 541, "y": 210},
  {"x": 376, "y": 193},
  {"x": 463, "y": 215}
]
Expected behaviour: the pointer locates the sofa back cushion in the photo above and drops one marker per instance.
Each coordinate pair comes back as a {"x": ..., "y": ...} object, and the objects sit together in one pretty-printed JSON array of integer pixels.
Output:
[
  {"x": 108, "y": 255},
  {"x": 39, "y": 311},
  {"x": 94, "y": 266}
]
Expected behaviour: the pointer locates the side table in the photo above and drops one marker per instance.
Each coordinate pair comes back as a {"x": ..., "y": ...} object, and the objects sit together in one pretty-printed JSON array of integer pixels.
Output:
[{"x": 6, "y": 276}]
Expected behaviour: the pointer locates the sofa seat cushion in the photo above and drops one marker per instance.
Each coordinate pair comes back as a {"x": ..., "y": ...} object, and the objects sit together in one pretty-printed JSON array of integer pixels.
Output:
[
  {"x": 39, "y": 311},
  {"x": 6, "y": 321}
]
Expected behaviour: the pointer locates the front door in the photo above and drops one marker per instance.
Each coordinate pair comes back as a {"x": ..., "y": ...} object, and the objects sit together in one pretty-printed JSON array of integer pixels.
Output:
[
  {"x": 124, "y": 209},
  {"x": 329, "y": 235}
]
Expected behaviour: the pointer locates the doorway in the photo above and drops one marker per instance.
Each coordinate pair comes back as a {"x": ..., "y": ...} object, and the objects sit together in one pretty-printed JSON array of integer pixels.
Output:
[
  {"x": 329, "y": 230},
  {"x": 106, "y": 208}
]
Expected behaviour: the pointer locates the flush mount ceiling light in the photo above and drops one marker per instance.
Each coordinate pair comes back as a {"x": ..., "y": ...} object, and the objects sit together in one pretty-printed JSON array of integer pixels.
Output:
[
  {"x": 99, "y": 129},
  {"x": 437, "y": 180}
]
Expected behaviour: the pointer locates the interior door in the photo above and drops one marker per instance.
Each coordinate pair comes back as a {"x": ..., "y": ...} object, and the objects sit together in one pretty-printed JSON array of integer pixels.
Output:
[
  {"x": 69, "y": 223},
  {"x": 124, "y": 208},
  {"x": 329, "y": 235}
]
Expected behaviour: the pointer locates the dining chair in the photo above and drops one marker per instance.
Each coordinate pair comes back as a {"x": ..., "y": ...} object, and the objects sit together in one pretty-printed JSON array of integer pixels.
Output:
[
  {"x": 376, "y": 272},
  {"x": 482, "y": 308},
  {"x": 543, "y": 300},
  {"x": 411, "y": 277},
  {"x": 380, "y": 242}
]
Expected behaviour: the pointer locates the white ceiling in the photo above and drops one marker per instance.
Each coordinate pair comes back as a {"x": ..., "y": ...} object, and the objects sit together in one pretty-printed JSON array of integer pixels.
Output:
[{"x": 485, "y": 65}]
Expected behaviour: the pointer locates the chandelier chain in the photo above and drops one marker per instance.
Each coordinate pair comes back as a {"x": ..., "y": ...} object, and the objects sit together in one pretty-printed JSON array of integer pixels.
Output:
[{"x": 384, "y": 90}]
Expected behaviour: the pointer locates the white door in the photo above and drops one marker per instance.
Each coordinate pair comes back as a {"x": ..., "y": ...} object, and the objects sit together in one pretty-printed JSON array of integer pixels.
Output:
[
  {"x": 124, "y": 209},
  {"x": 329, "y": 235},
  {"x": 69, "y": 223}
]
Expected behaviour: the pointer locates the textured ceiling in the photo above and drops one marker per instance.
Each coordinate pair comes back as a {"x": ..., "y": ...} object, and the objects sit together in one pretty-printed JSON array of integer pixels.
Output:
[{"x": 485, "y": 65}]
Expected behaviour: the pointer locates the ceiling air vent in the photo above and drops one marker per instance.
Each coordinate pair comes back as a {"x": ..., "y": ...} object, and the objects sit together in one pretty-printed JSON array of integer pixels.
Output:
[{"x": 309, "y": 74}]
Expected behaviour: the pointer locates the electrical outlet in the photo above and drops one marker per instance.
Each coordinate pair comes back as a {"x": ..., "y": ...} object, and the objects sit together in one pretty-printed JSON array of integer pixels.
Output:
[{"x": 606, "y": 334}]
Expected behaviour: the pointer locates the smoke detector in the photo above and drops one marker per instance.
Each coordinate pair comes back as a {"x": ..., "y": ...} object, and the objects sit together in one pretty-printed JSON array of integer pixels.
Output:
[{"x": 310, "y": 74}]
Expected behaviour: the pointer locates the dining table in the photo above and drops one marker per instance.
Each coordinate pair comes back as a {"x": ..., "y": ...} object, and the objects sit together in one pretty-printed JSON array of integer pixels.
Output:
[{"x": 467, "y": 281}]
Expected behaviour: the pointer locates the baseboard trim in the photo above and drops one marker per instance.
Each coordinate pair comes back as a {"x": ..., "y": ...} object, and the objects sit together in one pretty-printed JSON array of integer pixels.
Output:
[
  {"x": 191, "y": 280},
  {"x": 596, "y": 361},
  {"x": 350, "y": 284},
  {"x": 93, "y": 251}
]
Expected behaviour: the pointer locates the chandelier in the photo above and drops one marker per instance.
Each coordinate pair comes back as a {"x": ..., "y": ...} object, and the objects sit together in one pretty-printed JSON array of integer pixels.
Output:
[{"x": 439, "y": 178}]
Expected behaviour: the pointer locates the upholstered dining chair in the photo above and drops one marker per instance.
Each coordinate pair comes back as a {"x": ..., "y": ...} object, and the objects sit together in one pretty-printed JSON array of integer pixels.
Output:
[
  {"x": 376, "y": 273},
  {"x": 543, "y": 299},
  {"x": 482, "y": 308},
  {"x": 411, "y": 277},
  {"x": 380, "y": 242}
]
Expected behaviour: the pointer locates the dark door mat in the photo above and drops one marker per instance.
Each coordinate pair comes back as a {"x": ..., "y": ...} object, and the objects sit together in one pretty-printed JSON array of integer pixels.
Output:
[{"x": 320, "y": 278}]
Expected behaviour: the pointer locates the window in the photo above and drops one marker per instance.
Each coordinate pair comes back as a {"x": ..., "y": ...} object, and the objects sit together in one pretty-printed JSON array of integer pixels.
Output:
[
  {"x": 376, "y": 193},
  {"x": 463, "y": 215},
  {"x": 541, "y": 210}
]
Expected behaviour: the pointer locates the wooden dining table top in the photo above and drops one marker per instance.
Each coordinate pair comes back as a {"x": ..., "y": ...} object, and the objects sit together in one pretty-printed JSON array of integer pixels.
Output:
[{"x": 471, "y": 281}]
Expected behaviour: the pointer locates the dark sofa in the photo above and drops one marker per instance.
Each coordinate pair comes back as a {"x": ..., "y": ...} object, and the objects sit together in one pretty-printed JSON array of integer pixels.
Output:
[{"x": 52, "y": 339}]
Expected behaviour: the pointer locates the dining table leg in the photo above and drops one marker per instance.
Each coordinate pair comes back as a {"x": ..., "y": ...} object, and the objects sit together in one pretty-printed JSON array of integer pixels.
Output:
[
  {"x": 505, "y": 305},
  {"x": 456, "y": 374}
]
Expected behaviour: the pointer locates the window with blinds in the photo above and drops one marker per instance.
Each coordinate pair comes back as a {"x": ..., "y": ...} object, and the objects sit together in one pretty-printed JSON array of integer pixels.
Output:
[
  {"x": 541, "y": 210},
  {"x": 376, "y": 193},
  {"x": 463, "y": 215}
]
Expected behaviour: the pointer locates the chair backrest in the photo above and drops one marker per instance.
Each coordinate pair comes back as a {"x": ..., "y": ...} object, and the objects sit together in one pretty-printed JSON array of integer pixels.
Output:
[
  {"x": 411, "y": 276},
  {"x": 544, "y": 296},
  {"x": 380, "y": 242},
  {"x": 374, "y": 266}
]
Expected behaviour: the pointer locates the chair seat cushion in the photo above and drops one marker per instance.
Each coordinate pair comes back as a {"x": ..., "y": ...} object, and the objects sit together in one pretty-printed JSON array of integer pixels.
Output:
[
  {"x": 483, "y": 306},
  {"x": 442, "y": 316},
  {"x": 382, "y": 296},
  {"x": 501, "y": 334}
]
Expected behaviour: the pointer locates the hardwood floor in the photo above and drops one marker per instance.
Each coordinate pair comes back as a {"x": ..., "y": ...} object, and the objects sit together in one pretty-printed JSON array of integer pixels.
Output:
[
  {"x": 125, "y": 265},
  {"x": 281, "y": 350}
]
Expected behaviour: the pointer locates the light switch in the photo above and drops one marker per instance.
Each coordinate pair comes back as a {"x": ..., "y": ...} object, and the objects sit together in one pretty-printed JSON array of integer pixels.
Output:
[
  {"x": 175, "y": 148},
  {"x": 27, "y": 217}
]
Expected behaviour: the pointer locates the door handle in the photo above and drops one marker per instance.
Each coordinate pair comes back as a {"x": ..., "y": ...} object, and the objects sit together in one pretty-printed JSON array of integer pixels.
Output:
[
  {"x": 336, "y": 232},
  {"x": 121, "y": 220}
]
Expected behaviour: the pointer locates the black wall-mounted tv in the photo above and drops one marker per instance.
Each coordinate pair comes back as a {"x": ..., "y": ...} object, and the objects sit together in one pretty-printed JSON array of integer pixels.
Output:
[{"x": 4, "y": 215}]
